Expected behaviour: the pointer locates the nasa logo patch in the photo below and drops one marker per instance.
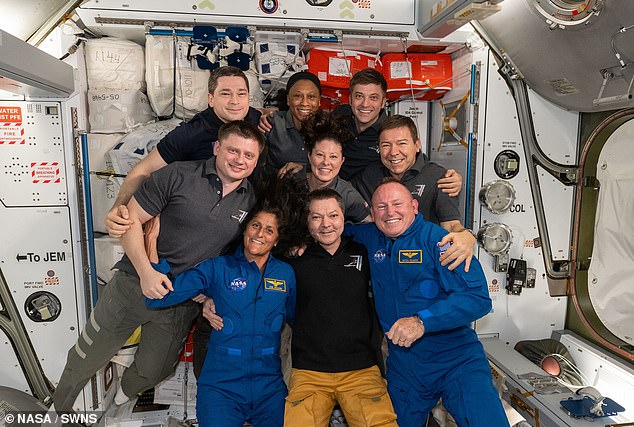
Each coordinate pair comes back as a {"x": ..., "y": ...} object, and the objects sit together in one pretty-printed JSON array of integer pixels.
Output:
[
  {"x": 379, "y": 256},
  {"x": 238, "y": 284}
]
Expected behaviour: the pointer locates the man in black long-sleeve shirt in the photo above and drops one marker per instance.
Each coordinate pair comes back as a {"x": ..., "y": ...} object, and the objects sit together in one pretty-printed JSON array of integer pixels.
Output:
[{"x": 334, "y": 346}]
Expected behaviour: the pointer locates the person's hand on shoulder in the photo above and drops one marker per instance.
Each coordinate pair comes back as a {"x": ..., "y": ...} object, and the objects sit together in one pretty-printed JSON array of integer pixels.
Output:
[
  {"x": 265, "y": 125},
  {"x": 290, "y": 168},
  {"x": 118, "y": 221},
  {"x": 461, "y": 249},
  {"x": 451, "y": 183}
]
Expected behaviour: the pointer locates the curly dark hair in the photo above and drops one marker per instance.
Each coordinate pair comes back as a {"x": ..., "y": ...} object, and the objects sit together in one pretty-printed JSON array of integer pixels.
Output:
[
  {"x": 323, "y": 125},
  {"x": 286, "y": 199}
]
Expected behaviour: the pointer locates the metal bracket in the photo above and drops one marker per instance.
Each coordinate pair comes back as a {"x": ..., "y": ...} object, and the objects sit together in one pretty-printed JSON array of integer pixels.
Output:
[
  {"x": 148, "y": 25},
  {"x": 591, "y": 182},
  {"x": 611, "y": 76},
  {"x": 11, "y": 324}
]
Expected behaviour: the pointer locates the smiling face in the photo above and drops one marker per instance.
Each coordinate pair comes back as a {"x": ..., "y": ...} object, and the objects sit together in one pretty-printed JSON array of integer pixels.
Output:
[
  {"x": 398, "y": 150},
  {"x": 230, "y": 100},
  {"x": 393, "y": 209},
  {"x": 325, "y": 223},
  {"x": 236, "y": 157},
  {"x": 303, "y": 101},
  {"x": 325, "y": 160},
  {"x": 260, "y": 236},
  {"x": 366, "y": 101}
]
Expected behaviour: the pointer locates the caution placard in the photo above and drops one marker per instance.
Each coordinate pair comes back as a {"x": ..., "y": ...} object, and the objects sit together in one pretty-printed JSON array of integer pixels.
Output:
[
  {"x": 45, "y": 172},
  {"x": 11, "y": 130}
]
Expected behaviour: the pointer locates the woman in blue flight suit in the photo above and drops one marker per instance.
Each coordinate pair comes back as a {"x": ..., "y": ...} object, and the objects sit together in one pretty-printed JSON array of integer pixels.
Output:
[{"x": 254, "y": 293}]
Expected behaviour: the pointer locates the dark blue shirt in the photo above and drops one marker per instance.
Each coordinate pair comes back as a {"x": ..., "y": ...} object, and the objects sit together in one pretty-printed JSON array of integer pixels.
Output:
[
  {"x": 363, "y": 149},
  {"x": 194, "y": 140}
]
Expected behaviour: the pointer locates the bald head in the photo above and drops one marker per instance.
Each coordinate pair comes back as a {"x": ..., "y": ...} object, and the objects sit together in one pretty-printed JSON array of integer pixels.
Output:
[{"x": 393, "y": 208}]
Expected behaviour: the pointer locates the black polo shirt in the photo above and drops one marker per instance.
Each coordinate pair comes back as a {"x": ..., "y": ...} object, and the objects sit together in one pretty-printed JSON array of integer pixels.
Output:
[
  {"x": 334, "y": 318},
  {"x": 420, "y": 179},
  {"x": 363, "y": 149},
  {"x": 196, "y": 221},
  {"x": 194, "y": 140}
]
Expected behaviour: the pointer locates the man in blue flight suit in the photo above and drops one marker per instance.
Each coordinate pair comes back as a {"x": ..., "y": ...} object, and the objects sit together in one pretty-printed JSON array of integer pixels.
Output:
[
  {"x": 241, "y": 378},
  {"x": 426, "y": 310}
]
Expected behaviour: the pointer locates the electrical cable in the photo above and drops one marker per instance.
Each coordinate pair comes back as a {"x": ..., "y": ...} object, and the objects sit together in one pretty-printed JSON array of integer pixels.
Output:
[{"x": 613, "y": 44}]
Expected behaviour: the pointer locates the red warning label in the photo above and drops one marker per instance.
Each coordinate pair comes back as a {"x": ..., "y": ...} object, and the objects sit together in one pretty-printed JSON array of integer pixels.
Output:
[
  {"x": 11, "y": 130},
  {"x": 45, "y": 173}
]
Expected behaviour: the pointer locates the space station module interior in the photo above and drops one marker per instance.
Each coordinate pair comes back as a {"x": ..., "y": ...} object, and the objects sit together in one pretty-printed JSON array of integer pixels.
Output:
[{"x": 530, "y": 100}]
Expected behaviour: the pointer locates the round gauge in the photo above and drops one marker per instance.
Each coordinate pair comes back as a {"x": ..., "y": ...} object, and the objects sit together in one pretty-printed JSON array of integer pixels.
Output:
[
  {"x": 498, "y": 196},
  {"x": 42, "y": 306},
  {"x": 507, "y": 164},
  {"x": 568, "y": 13},
  {"x": 495, "y": 238}
]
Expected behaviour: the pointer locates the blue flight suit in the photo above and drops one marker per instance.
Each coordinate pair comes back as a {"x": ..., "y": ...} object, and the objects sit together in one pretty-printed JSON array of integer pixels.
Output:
[
  {"x": 448, "y": 361},
  {"x": 241, "y": 379}
]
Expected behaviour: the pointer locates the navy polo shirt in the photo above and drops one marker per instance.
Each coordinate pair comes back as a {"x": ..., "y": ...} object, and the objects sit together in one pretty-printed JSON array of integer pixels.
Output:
[
  {"x": 363, "y": 149},
  {"x": 194, "y": 140}
]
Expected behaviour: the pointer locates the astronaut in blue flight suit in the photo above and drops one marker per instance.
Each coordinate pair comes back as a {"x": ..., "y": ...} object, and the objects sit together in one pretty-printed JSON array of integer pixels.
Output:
[
  {"x": 426, "y": 310},
  {"x": 254, "y": 292}
]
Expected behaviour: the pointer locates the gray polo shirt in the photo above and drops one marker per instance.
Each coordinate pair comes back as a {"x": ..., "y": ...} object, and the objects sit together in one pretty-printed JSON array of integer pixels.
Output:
[
  {"x": 420, "y": 179},
  {"x": 356, "y": 207},
  {"x": 196, "y": 221},
  {"x": 284, "y": 142}
]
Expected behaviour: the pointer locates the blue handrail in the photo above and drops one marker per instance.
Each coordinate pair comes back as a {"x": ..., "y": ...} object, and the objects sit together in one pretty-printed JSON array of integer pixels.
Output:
[{"x": 90, "y": 241}]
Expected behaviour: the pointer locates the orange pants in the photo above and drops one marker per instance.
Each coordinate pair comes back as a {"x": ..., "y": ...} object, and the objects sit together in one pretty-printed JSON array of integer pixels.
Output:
[{"x": 361, "y": 394}]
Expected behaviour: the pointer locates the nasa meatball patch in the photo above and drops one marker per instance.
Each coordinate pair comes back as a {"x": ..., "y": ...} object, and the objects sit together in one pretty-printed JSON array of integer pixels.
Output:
[{"x": 238, "y": 284}]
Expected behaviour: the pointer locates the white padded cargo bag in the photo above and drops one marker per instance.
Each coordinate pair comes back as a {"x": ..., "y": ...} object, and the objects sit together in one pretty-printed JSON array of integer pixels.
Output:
[
  {"x": 135, "y": 145},
  {"x": 113, "y": 110},
  {"x": 191, "y": 81},
  {"x": 277, "y": 61},
  {"x": 256, "y": 95},
  {"x": 108, "y": 251},
  {"x": 113, "y": 63}
]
